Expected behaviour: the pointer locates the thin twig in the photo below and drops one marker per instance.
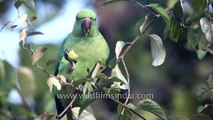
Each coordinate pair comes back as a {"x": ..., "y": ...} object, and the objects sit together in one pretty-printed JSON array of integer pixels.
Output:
[
  {"x": 68, "y": 106},
  {"x": 135, "y": 40},
  {"x": 143, "y": 6},
  {"x": 128, "y": 83}
]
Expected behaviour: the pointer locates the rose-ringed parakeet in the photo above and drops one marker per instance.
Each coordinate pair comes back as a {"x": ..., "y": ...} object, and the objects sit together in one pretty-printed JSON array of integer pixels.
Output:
[{"x": 83, "y": 48}]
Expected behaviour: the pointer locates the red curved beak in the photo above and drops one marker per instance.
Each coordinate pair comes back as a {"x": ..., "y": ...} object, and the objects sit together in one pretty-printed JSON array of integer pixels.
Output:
[{"x": 85, "y": 25}]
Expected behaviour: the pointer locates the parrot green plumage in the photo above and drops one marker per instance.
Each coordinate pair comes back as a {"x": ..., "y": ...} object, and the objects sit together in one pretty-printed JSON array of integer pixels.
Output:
[{"x": 89, "y": 45}]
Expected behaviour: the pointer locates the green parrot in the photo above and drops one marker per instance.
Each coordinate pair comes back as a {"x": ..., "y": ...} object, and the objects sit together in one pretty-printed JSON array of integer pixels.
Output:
[{"x": 83, "y": 48}]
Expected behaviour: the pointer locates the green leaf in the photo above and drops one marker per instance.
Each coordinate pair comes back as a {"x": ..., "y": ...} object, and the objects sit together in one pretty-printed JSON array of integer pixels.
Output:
[
  {"x": 131, "y": 106},
  {"x": 159, "y": 9},
  {"x": 201, "y": 53},
  {"x": 171, "y": 3},
  {"x": 18, "y": 3},
  {"x": 8, "y": 75},
  {"x": 193, "y": 37},
  {"x": 112, "y": 63},
  {"x": 45, "y": 116},
  {"x": 127, "y": 115},
  {"x": 200, "y": 108},
  {"x": 39, "y": 52},
  {"x": 112, "y": 1},
  {"x": 201, "y": 116},
  {"x": 26, "y": 81},
  {"x": 180, "y": 118},
  {"x": 151, "y": 106},
  {"x": 29, "y": 4},
  {"x": 199, "y": 5},
  {"x": 178, "y": 11},
  {"x": 158, "y": 50},
  {"x": 35, "y": 33},
  {"x": 166, "y": 32},
  {"x": 176, "y": 32}
]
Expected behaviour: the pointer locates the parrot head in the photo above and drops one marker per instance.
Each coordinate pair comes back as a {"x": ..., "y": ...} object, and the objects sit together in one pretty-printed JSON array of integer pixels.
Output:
[{"x": 85, "y": 23}]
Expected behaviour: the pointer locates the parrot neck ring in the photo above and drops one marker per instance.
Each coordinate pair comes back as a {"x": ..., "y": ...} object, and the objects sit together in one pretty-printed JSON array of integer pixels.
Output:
[{"x": 86, "y": 26}]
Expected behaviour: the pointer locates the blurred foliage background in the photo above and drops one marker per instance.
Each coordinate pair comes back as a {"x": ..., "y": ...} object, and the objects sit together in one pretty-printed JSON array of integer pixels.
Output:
[{"x": 175, "y": 84}]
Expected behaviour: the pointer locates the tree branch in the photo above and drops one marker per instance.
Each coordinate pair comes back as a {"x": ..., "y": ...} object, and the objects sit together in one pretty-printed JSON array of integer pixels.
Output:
[
  {"x": 135, "y": 40},
  {"x": 58, "y": 117}
]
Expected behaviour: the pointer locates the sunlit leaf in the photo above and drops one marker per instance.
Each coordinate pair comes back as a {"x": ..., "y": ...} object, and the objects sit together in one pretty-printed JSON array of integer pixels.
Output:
[
  {"x": 52, "y": 81},
  {"x": 23, "y": 19},
  {"x": 200, "y": 108},
  {"x": 142, "y": 25},
  {"x": 45, "y": 116},
  {"x": 112, "y": 1},
  {"x": 18, "y": 3},
  {"x": 157, "y": 49},
  {"x": 63, "y": 78},
  {"x": 116, "y": 72},
  {"x": 119, "y": 47},
  {"x": 23, "y": 34},
  {"x": 201, "y": 53},
  {"x": 161, "y": 11},
  {"x": 29, "y": 4},
  {"x": 152, "y": 107},
  {"x": 85, "y": 115},
  {"x": 39, "y": 52},
  {"x": 32, "y": 18},
  {"x": 206, "y": 28},
  {"x": 26, "y": 81},
  {"x": 35, "y": 33}
]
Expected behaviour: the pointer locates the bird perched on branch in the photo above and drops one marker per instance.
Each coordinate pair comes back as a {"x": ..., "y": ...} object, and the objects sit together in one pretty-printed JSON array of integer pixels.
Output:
[{"x": 83, "y": 48}]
